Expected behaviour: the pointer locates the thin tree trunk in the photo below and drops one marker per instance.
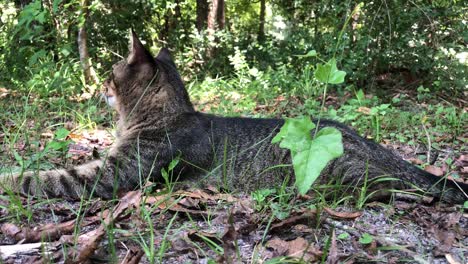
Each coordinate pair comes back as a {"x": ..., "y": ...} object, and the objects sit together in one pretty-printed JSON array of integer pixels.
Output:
[
  {"x": 88, "y": 70},
  {"x": 261, "y": 28},
  {"x": 202, "y": 14},
  {"x": 212, "y": 14},
  {"x": 220, "y": 14},
  {"x": 216, "y": 20}
]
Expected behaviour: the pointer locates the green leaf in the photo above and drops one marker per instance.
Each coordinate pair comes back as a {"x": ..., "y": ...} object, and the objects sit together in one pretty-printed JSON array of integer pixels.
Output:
[
  {"x": 311, "y": 53},
  {"x": 18, "y": 158},
  {"x": 343, "y": 236},
  {"x": 164, "y": 174},
  {"x": 360, "y": 96},
  {"x": 465, "y": 205},
  {"x": 309, "y": 156},
  {"x": 295, "y": 133},
  {"x": 308, "y": 164},
  {"x": 55, "y": 6},
  {"x": 58, "y": 145},
  {"x": 173, "y": 163},
  {"x": 65, "y": 51},
  {"x": 62, "y": 133},
  {"x": 366, "y": 239},
  {"x": 41, "y": 17},
  {"x": 329, "y": 73}
]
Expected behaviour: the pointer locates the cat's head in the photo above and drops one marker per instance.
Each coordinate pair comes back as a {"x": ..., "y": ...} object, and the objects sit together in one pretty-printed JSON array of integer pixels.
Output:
[{"x": 141, "y": 83}]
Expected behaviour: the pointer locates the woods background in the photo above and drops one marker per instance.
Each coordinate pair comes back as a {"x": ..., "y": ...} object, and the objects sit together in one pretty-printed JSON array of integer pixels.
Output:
[{"x": 54, "y": 46}]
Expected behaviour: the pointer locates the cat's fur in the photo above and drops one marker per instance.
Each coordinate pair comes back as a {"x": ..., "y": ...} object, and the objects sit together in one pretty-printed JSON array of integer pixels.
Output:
[{"x": 158, "y": 123}]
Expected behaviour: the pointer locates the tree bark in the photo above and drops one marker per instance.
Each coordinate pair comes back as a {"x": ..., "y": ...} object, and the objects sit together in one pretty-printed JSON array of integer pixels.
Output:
[
  {"x": 216, "y": 20},
  {"x": 88, "y": 70},
  {"x": 221, "y": 14},
  {"x": 216, "y": 15},
  {"x": 261, "y": 28},
  {"x": 202, "y": 14},
  {"x": 212, "y": 17}
]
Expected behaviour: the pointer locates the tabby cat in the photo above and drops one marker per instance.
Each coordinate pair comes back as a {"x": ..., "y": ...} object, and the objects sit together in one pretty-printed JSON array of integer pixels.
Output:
[{"x": 157, "y": 123}]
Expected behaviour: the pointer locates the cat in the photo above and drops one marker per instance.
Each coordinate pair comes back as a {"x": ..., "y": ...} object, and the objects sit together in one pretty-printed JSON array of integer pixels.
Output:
[{"x": 158, "y": 123}]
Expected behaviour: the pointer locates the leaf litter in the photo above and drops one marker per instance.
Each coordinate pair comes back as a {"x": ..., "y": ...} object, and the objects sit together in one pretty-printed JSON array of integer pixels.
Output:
[{"x": 226, "y": 228}]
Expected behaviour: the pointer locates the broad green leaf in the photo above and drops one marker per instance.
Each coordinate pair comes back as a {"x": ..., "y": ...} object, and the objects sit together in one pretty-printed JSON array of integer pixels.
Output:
[
  {"x": 62, "y": 133},
  {"x": 295, "y": 133},
  {"x": 58, "y": 145},
  {"x": 309, "y": 156},
  {"x": 366, "y": 239},
  {"x": 329, "y": 73},
  {"x": 343, "y": 236},
  {"x": 308, "y": 164},
  {"x": 311, "y": 53}
]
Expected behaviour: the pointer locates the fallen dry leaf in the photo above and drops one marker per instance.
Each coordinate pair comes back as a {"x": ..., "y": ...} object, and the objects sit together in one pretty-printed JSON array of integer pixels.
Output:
[
  {"x": 333, "y": 250},
  {"x": 190, "y": 202},
  {"x": 297, "y": 248},
  {"x": 47, "y": 232},
  {"x": 89, "y": 242},
  {"x": 364, "y": 110},
  {"x": 415, "y": 161},
  {"x": 343, "y": 215},
  {"x": 450, "y": 259},
  {"x": 229, "y": 244},
  {"x": 25, "y": 249},
  {"x": 446, "y": 238},
  {"x": 133, "y": 256},
  {"x": 434, "y": 170},
  {"x": 305, "y": 215},
  {"x": 4, "y": 92}
]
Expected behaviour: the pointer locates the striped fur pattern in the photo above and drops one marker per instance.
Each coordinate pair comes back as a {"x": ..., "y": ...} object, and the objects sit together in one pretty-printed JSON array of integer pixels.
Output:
[{"x": 158, "y": 123}]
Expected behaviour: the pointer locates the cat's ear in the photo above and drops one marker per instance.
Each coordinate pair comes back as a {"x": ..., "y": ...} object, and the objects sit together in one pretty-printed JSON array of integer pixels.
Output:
[
  {"x": 165, "y": 55},
  {"x": 138, "y": 53}
]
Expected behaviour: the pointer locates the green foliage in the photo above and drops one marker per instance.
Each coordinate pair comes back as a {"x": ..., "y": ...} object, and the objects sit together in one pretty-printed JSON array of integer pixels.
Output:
[
  {"x": 57, "y": 146},
  {"x": 260, "y": 197},
  {"x": 59, "y": 142},
  {"x": 309, "y": 155},
  {"x": 343, "y": 236},
  {"x": 423, "y": 40},
  {"x": 366, "y": 239},
  {"x": 168, "y": 174},
  {"x": 328, "y": 73}
]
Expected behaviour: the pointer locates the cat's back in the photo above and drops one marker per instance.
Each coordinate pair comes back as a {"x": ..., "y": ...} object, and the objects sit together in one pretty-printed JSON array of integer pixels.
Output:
[{"x": 242, "y": 128}]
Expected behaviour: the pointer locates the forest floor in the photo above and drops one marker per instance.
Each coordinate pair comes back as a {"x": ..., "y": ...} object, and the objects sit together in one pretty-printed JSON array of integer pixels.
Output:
[{"x": 210, "y": 226}]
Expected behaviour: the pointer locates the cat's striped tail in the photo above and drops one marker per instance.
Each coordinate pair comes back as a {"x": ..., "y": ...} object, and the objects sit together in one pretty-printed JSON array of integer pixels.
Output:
[{"x": 90, "y": 179}]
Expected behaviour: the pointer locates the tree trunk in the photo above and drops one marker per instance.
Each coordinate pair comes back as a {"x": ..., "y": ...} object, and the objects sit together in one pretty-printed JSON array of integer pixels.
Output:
[
  {"x": 202, "y": 14},
  {"x": 216, "y": 20},
  {"x": 261, "y": 28},
  {"x": 88, "y": 70},
  {"x": 212, "y": 17},
  {"x": 221, "y": 14}
]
